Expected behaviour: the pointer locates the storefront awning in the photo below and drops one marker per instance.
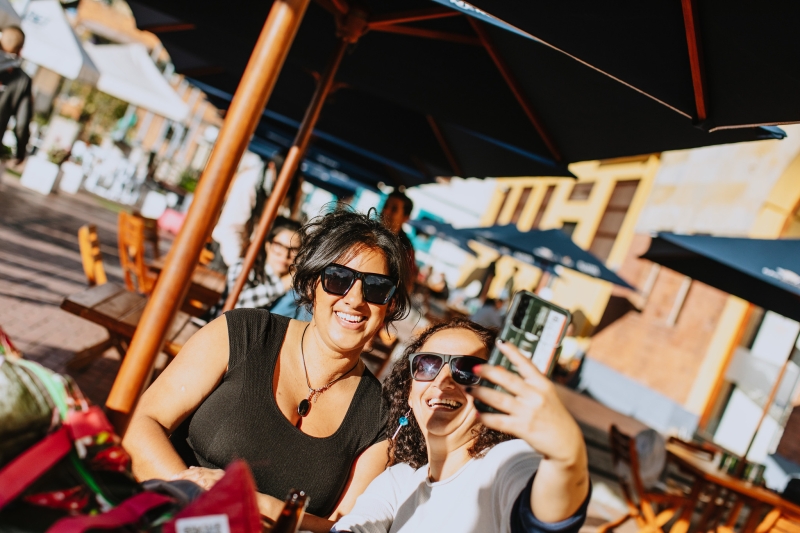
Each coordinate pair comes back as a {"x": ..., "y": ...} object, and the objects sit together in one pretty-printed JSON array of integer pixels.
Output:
[{"x": 128, "y": 73}]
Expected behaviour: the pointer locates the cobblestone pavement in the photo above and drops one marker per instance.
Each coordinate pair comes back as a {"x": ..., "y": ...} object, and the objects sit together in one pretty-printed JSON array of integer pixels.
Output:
[{"x": 40, "y": 264}]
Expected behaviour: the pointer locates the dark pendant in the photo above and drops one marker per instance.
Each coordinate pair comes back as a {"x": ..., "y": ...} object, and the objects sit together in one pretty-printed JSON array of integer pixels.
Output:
[{"x": 303, "y": 407}]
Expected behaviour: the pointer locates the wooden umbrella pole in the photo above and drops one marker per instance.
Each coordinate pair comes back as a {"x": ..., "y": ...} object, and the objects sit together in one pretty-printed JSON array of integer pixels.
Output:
[
  {"x": 288, "y": 170},
  {"x": 246, "y": 107}
]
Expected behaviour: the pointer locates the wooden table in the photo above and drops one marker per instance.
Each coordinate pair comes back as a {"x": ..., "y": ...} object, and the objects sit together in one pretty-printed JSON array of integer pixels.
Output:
[
  {"x": 708, "y": 476},
  {"x": 205, "y": 291},
  {"x": 119, "y": 310}
]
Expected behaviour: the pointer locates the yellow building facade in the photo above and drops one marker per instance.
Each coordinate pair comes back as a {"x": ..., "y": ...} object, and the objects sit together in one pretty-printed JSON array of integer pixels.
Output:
[{"x": 599, "y": 210}]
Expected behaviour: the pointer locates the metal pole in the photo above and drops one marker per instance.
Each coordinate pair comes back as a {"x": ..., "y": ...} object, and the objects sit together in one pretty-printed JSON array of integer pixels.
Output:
[
  {"x": 288, "y": 170},
  {"x": 246, "y": 107}
]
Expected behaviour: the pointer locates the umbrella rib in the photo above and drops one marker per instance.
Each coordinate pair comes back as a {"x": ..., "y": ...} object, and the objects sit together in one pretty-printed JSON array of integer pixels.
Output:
[
  {"x": 429, "y": 34},
  {"x": 515, "y": 87},
  {"x": 448, "y": 153},
  {"x": 695, "y": 58},
  {"x": 412, "y": 16}
]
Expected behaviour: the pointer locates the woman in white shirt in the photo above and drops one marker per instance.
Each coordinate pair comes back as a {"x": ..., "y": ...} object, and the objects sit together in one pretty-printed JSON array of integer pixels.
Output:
[{"x": 455, "y": 469}]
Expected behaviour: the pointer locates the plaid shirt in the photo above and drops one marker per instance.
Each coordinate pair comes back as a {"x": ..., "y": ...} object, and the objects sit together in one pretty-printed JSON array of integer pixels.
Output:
[{"x": 253, "y": 295}]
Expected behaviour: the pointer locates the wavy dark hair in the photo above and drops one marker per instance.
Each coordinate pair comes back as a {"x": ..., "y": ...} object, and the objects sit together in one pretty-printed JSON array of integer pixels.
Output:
[
  {"x": 409, "y": 446},
  {"x": 338, "y": 237}
]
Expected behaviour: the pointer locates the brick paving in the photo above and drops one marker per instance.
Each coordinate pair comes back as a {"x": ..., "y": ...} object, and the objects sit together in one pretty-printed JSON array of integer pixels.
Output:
[{"x": 40, "y": 264}]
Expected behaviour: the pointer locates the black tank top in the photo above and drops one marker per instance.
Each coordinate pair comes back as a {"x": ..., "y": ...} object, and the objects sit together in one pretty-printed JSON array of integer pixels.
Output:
[{"x": 241, "y": 420}]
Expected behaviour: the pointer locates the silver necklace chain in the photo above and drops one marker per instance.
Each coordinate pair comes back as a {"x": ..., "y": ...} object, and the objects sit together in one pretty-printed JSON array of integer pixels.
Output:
[{"x": 313, "y": 393}]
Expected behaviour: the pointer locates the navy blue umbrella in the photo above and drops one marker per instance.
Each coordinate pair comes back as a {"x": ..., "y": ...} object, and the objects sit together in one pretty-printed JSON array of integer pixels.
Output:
[
  {"x": 722, "y": 63},
  {"x": 764, "y": 272},
  {"x": 439, "y": 96},
  {"x": 546, "y": 248},
  {"x": 444, "y": 231}
]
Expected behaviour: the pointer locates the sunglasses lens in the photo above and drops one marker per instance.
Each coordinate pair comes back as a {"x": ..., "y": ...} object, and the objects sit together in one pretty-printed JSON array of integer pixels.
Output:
[
  {"x": 378, "y": 289},
  {"x": 425, "y": 367},
  {"x": 462, "y": 370},
  {"x": 336, "y": 280}
]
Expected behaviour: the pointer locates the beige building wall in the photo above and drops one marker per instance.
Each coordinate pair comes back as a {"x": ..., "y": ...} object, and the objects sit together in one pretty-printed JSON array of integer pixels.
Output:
[
  {"x": 586, "y": 297},
  {"x": 748, "y": 189}
]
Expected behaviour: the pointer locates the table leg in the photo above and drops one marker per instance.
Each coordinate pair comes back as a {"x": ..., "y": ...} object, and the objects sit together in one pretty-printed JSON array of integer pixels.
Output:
[
  {"x": 755, "y": 516},
  {"x": 735, "y": 512},
  {"x": 711, "y": 506},
  {"x": 681, "y": 525}
]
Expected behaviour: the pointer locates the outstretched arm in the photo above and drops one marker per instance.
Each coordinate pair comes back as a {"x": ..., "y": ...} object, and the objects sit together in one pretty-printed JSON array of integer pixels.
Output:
[{"x": 536, "y": 415}]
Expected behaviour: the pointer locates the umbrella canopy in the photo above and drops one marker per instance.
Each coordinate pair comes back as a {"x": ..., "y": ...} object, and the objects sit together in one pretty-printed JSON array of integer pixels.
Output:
[
  {"x": 318, "y": 168},
  {"x": 50, "y": 42},
  {"x": 127, "y": 72},
  {"x": 546, "y": 247},
  {"x": 723, "y": 63},
  {"x": 760, "y": 271},
  {"x": 524, "y": 100},
  {"x": 395, "y": 144},
  {"x": 444, "y": 231}
]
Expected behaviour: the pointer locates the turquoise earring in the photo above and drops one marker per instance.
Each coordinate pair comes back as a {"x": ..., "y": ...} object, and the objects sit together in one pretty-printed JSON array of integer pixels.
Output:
[{"x": 403, "y": 421}]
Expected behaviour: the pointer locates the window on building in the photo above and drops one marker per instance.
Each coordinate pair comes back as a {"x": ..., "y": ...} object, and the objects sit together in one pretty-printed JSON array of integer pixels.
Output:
[
  {"x": 543, "y": 206},
  {"x": 612, "y": 220},
  {"x": 581, "y": 191},
  {"x": 568, "y": 228},
  {"x": 506, "y": 193},
  {"x": 523, "y": 199}
]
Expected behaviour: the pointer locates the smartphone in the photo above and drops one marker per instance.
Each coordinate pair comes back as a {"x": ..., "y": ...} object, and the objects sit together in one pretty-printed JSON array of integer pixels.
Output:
[{"x": 536, "y": 327}]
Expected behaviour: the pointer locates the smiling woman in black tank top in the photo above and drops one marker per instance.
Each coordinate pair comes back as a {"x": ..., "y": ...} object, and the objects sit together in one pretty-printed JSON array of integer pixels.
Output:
[{"x": 291, "y": 398}]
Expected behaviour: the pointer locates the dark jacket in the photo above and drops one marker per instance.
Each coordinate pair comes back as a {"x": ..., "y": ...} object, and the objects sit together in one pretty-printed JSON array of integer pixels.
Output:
[{"x": 16, "y": 100}]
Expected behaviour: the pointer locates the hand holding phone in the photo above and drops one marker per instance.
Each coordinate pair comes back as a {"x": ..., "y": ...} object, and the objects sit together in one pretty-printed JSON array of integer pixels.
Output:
[{"x": 536, "y": 327}]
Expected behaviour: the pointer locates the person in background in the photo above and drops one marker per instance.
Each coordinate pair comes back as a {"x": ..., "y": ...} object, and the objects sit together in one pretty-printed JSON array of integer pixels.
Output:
[
  {"x": 508, "y": 289},
  {"x": 491, "y": 314},
  {"x": 396, "y": 212},
  {"x": 454, "y": 469},
  {"x": 241, "y": 211},
  {"x": 16, "y": 99},
  {"x": 271, "y": 277}
]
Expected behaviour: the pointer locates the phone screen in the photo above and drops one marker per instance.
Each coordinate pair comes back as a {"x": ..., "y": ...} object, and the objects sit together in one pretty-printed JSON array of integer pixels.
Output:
[{"x": 537, "y": 328}]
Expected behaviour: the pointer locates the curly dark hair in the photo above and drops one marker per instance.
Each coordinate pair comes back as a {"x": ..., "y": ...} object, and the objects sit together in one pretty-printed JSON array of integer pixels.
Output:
[
  {"x": 341, "y": 235},
  {"x": 409, "y": 446}
]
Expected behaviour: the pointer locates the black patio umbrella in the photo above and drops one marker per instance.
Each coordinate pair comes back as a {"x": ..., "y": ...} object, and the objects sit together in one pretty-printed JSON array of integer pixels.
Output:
[
  {"x": 722, "y": 63},
  {"x": 764, "y": 272},
  {"x": 392, "y": 144},
  {"x": 545, "y": 248},
  {"x": 433, "y": 90},
  {"x": 317, "y": 168}
]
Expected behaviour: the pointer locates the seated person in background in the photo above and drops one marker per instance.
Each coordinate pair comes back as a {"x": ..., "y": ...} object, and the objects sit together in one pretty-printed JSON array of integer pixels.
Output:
[
  {"x": 270, "y": 278},
  {"x": 491, "y": 314},
  {"x": 454, "y": 469},
  {"x": 437, "y": 285},
  {"x": 291, "y": 398}
]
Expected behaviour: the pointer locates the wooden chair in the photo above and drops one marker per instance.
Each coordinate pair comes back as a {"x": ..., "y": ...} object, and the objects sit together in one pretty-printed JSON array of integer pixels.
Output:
[
  {"x": 776, "y": 521},
  {"x": 90, "y": 255},
  {"x": 651, "y": 510},
  {"x": 130, "y": 237}
]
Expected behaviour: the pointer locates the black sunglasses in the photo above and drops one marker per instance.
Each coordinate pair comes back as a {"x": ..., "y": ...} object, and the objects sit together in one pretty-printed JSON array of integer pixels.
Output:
[
  {"x": 425, "y": 366},
  {"x": 376, "y": 288}
]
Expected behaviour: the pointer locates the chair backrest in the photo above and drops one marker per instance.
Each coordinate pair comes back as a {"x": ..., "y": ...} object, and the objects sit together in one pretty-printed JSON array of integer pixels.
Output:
[
  {"x": 91, "y": 258},
  {"x": 626, "y": 464},
  {"x": 150, "y": 232},
  {"x": 130, "y": 237},
  {"x": 778, "y": 521}
]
